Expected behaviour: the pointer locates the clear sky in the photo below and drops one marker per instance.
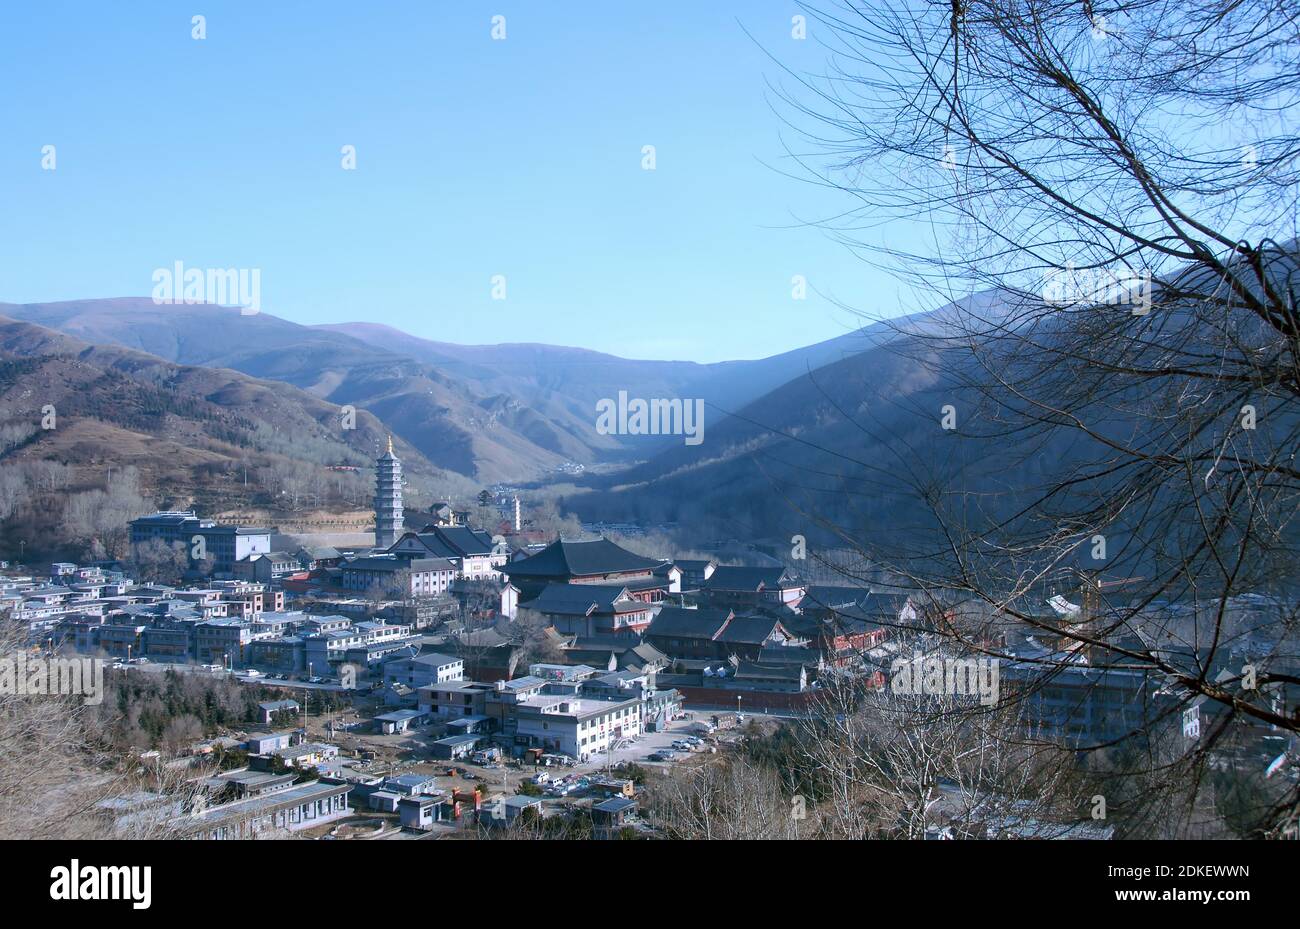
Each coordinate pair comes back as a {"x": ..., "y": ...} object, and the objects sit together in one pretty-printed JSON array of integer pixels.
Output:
[{"x": 474, "y": 158}]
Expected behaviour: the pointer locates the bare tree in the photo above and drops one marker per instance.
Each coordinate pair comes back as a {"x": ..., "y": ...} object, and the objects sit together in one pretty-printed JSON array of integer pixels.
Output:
[
  {"x": 885, "y": 765},
  {"x": 725, "y": 799},
  {"x": 532, "y": 640},
  {"x": 1105, "y": 198},
  {"x": 51, "y": 748},
  {"x": 158, "y": 562}
]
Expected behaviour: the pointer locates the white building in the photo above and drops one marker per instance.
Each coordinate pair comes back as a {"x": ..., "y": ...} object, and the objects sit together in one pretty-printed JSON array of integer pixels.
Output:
[
  {"x": 576, "y": 727},
  {"x": 423, "y": 670}
]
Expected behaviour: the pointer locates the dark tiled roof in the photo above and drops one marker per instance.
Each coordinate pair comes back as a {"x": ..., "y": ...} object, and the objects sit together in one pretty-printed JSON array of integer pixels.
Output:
[
  {"x": 399, "y": 564},
  {"x": 749, "y": 630},
  {"x": 730, "y": 577},
  {"x": 433, "y": 544},
  {"x": 789, "y": 654},
  {"x": 646, "y": 583},
  {"x": 833, "y": 598},
  {"x": 886, "y": 606},
  {"x": 695, "y": 564},
  {"x": 582, "y": 599},
  {"x": 818, "y": 621},
  {"x": 770, "y": 672},
  {"x": 688, "y": 624},
  {"x": 563, "y": 559},
  {"x": 462, "y": 540}
]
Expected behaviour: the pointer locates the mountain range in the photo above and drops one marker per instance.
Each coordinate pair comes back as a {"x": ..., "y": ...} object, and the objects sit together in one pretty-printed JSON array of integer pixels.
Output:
[
  {"x": 188, "y": 431},
  {"x": 510, "y": 412}
]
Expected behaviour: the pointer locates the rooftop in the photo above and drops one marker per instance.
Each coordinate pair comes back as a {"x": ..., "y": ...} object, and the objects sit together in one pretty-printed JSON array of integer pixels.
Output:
[
  {"x": 563, "y": 559},
  {"x": 737, "y": 578}
]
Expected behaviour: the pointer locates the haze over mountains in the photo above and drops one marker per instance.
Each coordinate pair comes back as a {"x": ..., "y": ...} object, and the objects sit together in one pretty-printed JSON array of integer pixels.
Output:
[
  {"x": 846, "y": 427},
  {"x": 491, "y": 413},
  {"x": 189, "y": 431},
  {"x": 814, "y": 430}
]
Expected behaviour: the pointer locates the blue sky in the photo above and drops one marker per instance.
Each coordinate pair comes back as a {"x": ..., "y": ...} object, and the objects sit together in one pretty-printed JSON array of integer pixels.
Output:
[{"x": 474, "y": 158}]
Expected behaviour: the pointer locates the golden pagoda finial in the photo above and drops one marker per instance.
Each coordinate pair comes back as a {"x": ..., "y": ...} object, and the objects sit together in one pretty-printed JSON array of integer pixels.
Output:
[{"x": 390, "y": 444}]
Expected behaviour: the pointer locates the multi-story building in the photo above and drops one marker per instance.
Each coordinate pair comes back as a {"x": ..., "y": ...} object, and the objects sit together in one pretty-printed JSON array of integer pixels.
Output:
[
  {"x": 423, "y": 670},
  {"x": 574, "y": 726},
  {"x": 424, "y": 577},
  {"x": 452, "y": 699},
  {"x": 170, "y": 640},
  {"x": 1080, "y": 704},
  {"x": 223, "y": 545},
  {"x": 122, "y": 640},
  {"x": 246, "y": 598},
  {"x": 268, "y": 567},
  {"x": 222, "y": 641}
]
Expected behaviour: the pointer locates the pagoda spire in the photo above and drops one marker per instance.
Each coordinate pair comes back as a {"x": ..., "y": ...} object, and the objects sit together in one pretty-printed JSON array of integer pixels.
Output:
[{"x": 388, "y": 498}]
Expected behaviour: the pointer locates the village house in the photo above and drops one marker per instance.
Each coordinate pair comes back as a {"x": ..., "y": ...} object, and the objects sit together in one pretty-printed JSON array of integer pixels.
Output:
[
  {"x": 745, "y": 586},
  {"x": 592, "y": 609},
  {"x": 266, "y": 567},
  {"x": 709, "y": 633},
  {"x": 269, "y": 709},
  {"x": 423, "y": 670},
  {"x": 451, "y": 699}
]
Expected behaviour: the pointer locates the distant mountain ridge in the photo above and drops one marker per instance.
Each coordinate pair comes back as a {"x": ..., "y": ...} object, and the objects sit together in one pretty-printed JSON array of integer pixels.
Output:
[
  {"x": 484, "y": 437},
  {"x": 489, "y": 412},
  {"x": 585, "y": 376},
  {"x": 189, "y": 430}
]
